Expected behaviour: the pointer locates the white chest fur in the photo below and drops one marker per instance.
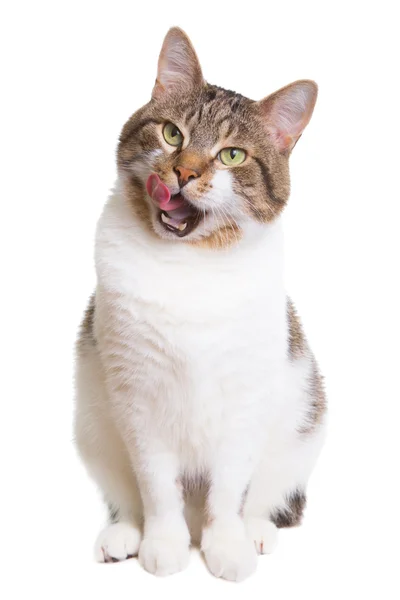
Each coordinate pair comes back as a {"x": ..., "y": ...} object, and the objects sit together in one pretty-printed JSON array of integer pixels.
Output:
[{"x": 200, "y": 334}]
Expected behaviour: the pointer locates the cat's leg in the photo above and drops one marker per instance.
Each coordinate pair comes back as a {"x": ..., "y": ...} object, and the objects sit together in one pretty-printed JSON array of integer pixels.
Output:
[
  {"x": 140, "y": 384},
  {"x": 106, "y": 459},
  {"x": 164, "y": 549},
  {"x": 277, "y": 494},
  {"x": 228, "y": 550},
  {"x": 165, "y": 546}
]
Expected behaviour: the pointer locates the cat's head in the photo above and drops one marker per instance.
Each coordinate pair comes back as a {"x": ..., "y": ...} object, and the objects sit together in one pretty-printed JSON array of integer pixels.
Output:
[{"x": 199, "y": 162}]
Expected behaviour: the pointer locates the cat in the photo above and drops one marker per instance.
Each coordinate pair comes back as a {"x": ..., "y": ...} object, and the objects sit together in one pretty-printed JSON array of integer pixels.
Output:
[{"x": 200, "y": 408}]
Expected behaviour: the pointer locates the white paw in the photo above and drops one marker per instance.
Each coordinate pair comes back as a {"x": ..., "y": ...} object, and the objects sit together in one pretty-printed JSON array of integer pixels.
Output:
[
  {"x": 117, "y": 542},
  {"x": 263, "y": 533},
  {"x": 163, "y": 556},
  {"x": 229, "y": 556}
]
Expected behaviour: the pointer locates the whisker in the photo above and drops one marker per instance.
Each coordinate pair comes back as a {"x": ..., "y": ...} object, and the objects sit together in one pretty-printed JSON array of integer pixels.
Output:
[
  {"x": 227, "y": 224},
  {"x": 218, "y": 213},
  {"x": 234, "y": 230},
  {"x": 225, "y": 218}
]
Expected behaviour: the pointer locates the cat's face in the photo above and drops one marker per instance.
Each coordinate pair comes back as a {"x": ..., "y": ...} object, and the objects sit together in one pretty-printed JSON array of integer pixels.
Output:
[{"x": 199, "y": 162}]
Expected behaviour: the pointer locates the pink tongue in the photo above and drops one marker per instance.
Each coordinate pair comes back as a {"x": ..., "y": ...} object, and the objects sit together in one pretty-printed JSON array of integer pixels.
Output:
[{"x": 161, "y": 195}]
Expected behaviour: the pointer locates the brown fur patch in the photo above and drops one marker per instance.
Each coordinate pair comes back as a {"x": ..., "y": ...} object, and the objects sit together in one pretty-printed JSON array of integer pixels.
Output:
[
  {"x": 135, "y": 194},
  {"x": 195, "y": 486},
  {"x": 298, "y": 348},
  {"x": 297, "y": 340},
  {"x": 292, "y": 514},
  {"x": 224, "y": 237},
  {"x": 86, "y": 333},
  {"x": 318, "y": 404}
]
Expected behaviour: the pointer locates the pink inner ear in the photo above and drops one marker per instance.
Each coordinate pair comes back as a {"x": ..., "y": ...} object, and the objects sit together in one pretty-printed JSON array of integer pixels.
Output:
[
  {"x": 288, "y": 111},
  {"x": 178, "y": 66},
  {"x": 285, "y": 138}
]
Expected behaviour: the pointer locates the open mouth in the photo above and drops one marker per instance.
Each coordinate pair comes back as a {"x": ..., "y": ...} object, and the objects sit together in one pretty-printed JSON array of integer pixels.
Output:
[
  {"x": 176, "y": 214},
  {"x": 182, "y": 220}
]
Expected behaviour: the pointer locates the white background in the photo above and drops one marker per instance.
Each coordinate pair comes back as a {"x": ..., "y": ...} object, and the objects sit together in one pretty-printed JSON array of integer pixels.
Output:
[{"x": 72, "y": 73}]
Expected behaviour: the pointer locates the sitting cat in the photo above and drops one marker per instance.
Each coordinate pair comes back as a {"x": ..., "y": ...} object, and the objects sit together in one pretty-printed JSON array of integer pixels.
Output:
[{"x": 200, "y": 410}]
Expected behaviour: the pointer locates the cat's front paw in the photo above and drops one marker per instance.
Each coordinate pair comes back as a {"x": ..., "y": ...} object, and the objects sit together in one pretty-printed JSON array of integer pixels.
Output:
[
  {"x": 163, "y": 556},
  {"x": 229, "y": 553},
  {"x": 263, "y": 533},
  {"x": 117, "y": 542}
]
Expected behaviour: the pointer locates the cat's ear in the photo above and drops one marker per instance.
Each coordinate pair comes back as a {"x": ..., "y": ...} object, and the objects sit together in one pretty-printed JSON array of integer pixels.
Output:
[
  {"x": 178, "y": 66},
  {"x": 288, "y": 111}
]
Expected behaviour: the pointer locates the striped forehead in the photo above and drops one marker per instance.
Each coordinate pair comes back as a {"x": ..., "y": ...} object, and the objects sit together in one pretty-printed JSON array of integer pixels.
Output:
[{"x": 217, "y": 114}]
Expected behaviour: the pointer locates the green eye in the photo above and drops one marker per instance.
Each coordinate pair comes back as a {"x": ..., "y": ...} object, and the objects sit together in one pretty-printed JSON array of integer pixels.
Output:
[
  {"x": 172, "y": 135},
  {"x": 232, "y": 156}
]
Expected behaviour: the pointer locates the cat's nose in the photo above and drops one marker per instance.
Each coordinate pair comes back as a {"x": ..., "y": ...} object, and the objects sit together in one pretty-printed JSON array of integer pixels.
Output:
[{"x": 185, "y": 175}]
